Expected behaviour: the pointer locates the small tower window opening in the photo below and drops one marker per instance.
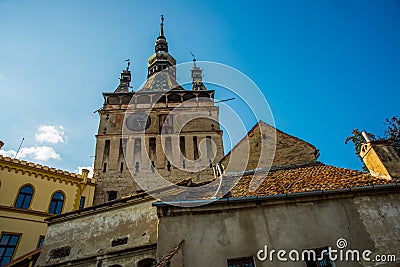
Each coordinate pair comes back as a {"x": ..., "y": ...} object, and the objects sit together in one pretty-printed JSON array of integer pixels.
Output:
[
  {"x": 169, "y": 166},
  {"x": 182, "y": 145},
  {"x": 121, "y": 167},
  {"x": 104, "y": 167},
  {"x": 209, "y": 147},
  {"x": 137, "y": 151},
  {"x": 107, "y": 148},
  {"x": 184, "y": 164},
  {"x": 137, "y": 166},
  {"x": 152, "y": 166},
  {"x": 24, "y": 197},
  {"x": 106, "y": 154},
  {"x": 195, "y": 148},
  {"x": 168, "y": 147},
  {"x": 122, "y": 146},
  {"x": 152, "y": 148},
  {"x": 166, "y": 125},
  {"x": 112, "y": 195},
  {"x": 56, "y": 204}
]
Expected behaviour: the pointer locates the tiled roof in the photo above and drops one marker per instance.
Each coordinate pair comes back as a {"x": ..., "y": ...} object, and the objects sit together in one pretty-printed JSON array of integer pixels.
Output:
[
  {"x": 307, "y": 177},
  {"x": 161, "y": 81}
]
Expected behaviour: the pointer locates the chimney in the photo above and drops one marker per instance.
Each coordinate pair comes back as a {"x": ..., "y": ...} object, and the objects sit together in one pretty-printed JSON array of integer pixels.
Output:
[{"x": 380, "y": 158}]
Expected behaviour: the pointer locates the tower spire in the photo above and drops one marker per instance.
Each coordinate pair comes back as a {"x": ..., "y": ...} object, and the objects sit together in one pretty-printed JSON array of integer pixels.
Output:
[
  {"x": 162, "y": 26},
  {"x": 125, "y": 80},
  {"x": 161, "y": 66},
  {"x": 197, "y": 76},
  {"x": 161, "y": 42}
]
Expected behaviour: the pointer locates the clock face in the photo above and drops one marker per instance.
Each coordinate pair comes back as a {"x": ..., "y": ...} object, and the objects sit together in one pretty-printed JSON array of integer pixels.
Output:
[{"x": 137, "y": 122}]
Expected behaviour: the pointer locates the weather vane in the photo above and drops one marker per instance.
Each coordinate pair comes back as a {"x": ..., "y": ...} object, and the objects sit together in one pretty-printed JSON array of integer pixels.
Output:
[
  {"x": 129, "y": 63},
  {"x": 194, "y": 57}
]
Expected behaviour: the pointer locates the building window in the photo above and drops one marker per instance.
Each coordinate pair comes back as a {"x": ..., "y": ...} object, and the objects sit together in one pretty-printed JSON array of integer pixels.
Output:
[
  {"x": 318, "y": 259},
  {"x": 210, "y": 153},
  {"x": 137, "y": 166},
  {"x": 82, "y": 202},
  {"x": 169, "y": 166},
  {"x": 56, "y": 204},
  {"x": 241, "y": 262},
  {"x": 166, "y": 124},
  {"x": 121, "y": 167},
  {"x": 168, "y": 147},
  {"x": 137, "y": 150},
  {"x": 112, "y": 195},
  {"x": 40, "y": 242},
  {"x": 182, "y": 145},
  {"x": 24, "y": 197},
  {"x": 195, "y": 148},
  {"x": 104, "y": 167},
  {"x": 152, "y": 148},
  {"x": 8, "y": 244}
]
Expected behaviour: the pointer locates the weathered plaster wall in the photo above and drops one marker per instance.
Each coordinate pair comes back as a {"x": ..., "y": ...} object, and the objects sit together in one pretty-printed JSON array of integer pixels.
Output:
[
  {"x": 238, "y": 230},
  {"x": 90, "y": 235}
]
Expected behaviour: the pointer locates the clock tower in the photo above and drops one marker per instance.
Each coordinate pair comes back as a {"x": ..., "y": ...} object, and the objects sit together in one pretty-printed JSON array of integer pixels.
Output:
[{"x": 159, "y": 130}]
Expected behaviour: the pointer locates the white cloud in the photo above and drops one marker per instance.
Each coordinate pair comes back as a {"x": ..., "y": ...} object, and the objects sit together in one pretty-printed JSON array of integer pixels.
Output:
[
  {"x": 50, "y": 134},
  {"x": 90, "y": 168},
  {"x": 8, "y": 153},
  {"x": 42, "y": 153}
]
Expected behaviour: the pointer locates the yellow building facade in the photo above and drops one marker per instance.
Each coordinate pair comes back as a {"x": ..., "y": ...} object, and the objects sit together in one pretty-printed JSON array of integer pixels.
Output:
[{"x": 30, "y": 193}]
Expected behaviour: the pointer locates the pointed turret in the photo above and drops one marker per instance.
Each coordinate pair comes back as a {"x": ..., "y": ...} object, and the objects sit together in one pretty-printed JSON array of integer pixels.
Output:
[
  {"x": 161, "y": 70},
  {"x": 197, "y": 77},
  {"x": 124, "y": 81},
  {"x": 161, "y": 42}
]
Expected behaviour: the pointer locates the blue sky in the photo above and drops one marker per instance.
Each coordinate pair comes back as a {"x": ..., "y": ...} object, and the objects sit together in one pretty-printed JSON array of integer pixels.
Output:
[{"x": 325, "y": 67}]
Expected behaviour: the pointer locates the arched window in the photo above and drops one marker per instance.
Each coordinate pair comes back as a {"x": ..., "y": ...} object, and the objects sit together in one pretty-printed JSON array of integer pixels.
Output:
[
  {"x": 56, "y": 204},
  {"x": 24, "y": 197}
]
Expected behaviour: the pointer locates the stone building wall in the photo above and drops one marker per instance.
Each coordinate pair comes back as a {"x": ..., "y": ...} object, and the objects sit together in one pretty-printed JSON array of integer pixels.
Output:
[
  {"x": 123, "y": 155},
  {"x": 120, "y": 232},
  {"x": 234, "y": 229}
]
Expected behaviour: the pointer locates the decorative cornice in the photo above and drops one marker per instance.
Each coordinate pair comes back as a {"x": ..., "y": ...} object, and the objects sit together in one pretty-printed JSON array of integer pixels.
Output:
[
  {"x": 40, "y": 170},
  {"x": 26, "y": 211}
]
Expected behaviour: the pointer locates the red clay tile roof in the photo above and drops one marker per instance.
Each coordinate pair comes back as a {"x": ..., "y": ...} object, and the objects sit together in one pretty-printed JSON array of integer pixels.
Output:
[{"x": 304, "y": 178}]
